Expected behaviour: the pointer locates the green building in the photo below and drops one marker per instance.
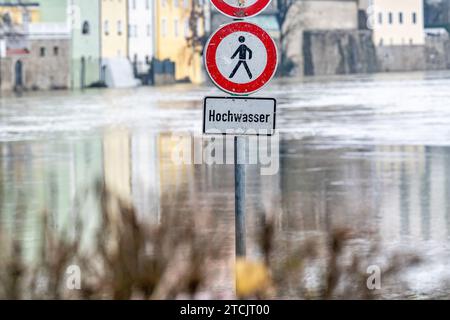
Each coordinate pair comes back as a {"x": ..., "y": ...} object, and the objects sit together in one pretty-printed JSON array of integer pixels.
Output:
[
  {"x": 85, "y": 42},
  {"x": 84, "y": 18},
  {"x": 52, "y": 11}
]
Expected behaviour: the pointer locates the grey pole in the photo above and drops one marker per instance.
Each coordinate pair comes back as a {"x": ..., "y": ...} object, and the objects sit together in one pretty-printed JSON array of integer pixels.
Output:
[{"x": 239, "y": 185}]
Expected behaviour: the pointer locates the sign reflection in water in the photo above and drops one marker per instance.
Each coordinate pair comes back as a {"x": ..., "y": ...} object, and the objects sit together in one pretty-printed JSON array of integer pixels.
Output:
[
  {"x": 347, "y": 157},
  {"x": 401, "y": 192}
]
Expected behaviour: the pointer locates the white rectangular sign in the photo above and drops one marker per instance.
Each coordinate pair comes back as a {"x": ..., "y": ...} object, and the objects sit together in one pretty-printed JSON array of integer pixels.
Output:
[{"x": 233, "y": 115}]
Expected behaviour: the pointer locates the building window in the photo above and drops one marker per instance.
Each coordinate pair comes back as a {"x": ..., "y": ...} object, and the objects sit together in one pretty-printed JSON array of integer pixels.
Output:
[
  {"x": 134, "y": 4},
  {"x": 106, "y": 27},
  {"x": 175, "y": 25},
  {"x": 414, "y": 18},
  {"x": 164, "y": 27},
  {"x": 391, "y": 19},
  {"x": 186, "y": 28},
  {"x": 42, "y": 52},
  {"x": 119, "y": 28},
  {"x": 400, "y": 17},
  {"x": 85, "y": 29},
  {"x": 55, "y": 51},
  {"x": 26, "y": 17},
  {"x": 411, "y": 42},
  {"x": 149, "y": 31},
  {"x": 381, "y": 42},
  {"x": 380, "y": 18}
]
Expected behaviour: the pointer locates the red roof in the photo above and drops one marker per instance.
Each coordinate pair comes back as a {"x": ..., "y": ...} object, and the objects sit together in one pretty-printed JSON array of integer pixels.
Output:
[{"x": 18, "y": 51}]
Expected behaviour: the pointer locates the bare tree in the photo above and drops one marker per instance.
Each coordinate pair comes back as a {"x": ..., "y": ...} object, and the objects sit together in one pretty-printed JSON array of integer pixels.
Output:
[
  {"x": 196, "y": 38},
  {"x": 287, "y": 26}
]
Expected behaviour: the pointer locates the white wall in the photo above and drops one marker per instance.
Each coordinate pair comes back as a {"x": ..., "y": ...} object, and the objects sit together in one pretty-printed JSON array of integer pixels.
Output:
[
  {"x": 140, "y": 31},
  {"x": 397, "y": 33}
]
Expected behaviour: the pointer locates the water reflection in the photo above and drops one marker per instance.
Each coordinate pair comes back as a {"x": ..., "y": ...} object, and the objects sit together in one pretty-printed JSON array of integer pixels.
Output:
[
  {"x": 400, "y": 191},
  {"x": 350, "y": 155}
]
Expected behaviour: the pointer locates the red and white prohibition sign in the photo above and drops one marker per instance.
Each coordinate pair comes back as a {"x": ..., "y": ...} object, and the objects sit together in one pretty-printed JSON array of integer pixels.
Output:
[
  {"x": 241, "y": 58},
  {"x": 241, "y": 8}
]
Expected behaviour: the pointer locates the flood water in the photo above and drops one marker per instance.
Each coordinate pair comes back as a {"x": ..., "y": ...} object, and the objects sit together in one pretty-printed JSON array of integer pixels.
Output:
[{"x": 366, "y": 152}]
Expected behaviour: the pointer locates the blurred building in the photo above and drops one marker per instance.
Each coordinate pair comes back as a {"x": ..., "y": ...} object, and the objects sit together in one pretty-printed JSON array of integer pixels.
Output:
[
  {"x": 14, "y": 20},
  {"x": 85, "y": 57},
  {"x": 140, "y": 34},
  {"x": 13, "y": 43},
  {"x": 35, "y": 53},
  {"x": 18, "y": 12},
  {"x": 114, "y": 40},
  {"x": 52, "y": 10},
  {"x": 316, "y": 15},
  {"x": 82, "y": 19},
  {"x": 180, "y": 29},
  {"x": 399, "y": 22},
  {"x": 399, "y": 36},
  {"x": 116, "y": 70},
  {"x": 48, "y": 64}
]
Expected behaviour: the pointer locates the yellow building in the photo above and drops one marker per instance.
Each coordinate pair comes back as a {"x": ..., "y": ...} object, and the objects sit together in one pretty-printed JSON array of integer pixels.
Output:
[
  {"x": 173, "y": 27},
  {"x": 114, "y": 26},
  {"x": 18, "y": 13},
  {"x": 398, "y": 22},
  {"x": 116, "y": 163}
]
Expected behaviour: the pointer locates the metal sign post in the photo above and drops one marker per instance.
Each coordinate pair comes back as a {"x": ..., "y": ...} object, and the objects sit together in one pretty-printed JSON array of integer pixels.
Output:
[
  {"x": 240, "y": 58},
  {"x": 239, "y": 194}
]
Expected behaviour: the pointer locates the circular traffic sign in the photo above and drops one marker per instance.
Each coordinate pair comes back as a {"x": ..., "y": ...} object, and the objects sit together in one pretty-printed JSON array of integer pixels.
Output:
[
  {"x": 241, "y": 8},
  {"x": 241, "y": 58}
]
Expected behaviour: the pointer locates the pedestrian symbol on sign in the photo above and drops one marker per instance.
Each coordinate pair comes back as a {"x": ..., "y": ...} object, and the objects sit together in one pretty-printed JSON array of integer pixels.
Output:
[
  {"x": 242, "y": 51},
  {"x": 240, "y": 58}
]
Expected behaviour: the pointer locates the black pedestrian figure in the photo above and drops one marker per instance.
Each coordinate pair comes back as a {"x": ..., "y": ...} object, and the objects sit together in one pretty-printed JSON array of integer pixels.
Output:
[{"x": 242, "y": 51}]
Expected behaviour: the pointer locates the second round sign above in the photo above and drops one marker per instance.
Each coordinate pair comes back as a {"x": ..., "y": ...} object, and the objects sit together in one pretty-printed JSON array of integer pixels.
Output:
[{"x": 241, "y": 8}]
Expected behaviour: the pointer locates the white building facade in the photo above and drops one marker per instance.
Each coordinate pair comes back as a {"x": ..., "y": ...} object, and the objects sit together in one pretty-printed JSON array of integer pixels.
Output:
[
  {"x": 140, "y": 34},
  {"x": 399, "y": 22}
]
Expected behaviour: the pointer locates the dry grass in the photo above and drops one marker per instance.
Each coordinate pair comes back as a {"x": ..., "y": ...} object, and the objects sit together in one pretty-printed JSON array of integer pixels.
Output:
[
  {"x": 334, "y": 266},
  {"x": 128, "y": 259}
]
